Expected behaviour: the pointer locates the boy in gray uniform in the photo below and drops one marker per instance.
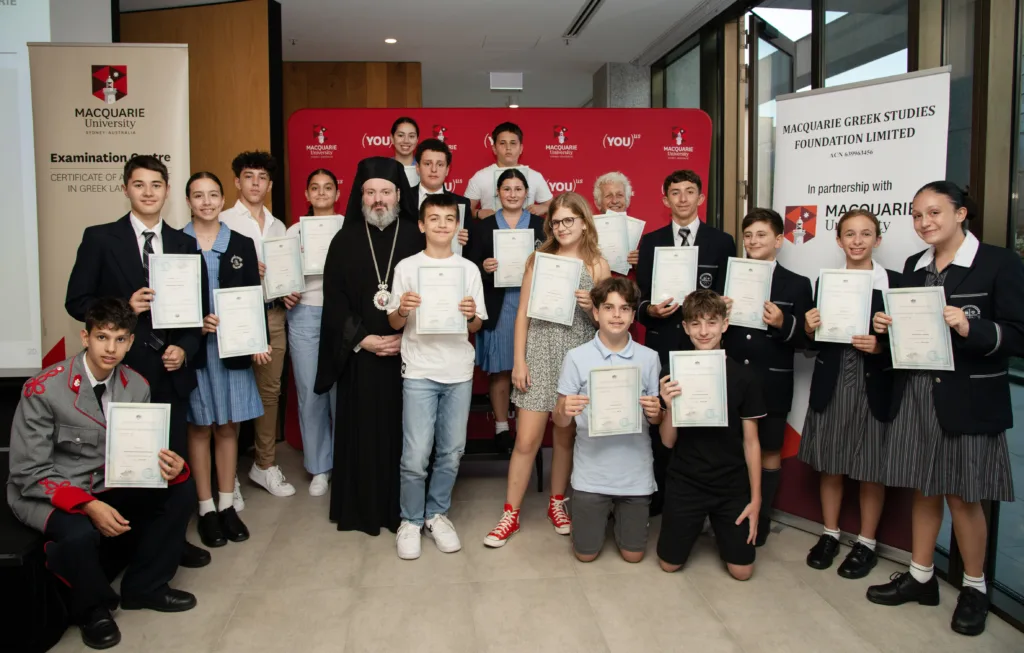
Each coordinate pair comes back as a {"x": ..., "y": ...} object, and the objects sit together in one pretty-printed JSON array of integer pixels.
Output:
[{"x": 56, "y": 486}]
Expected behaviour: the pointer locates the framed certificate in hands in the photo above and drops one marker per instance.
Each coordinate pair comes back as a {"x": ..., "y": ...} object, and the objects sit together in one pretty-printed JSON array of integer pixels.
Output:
[
  {"x": 283, "y": 258},
  {"x": 919, "y": 337},
  {"x": 242, "y": 330},
  {"x": 511, "y": 249},
  {"x": 748, "y": 283},
  {"x": 135, "y": 435},
  {"x": 553, "y": 290},
  {"x": 844, "y": 303},
  {"x": 674, "y": 275},
  {"x": 440, "y": 290},
  {"x": 177, "y": 283},
  {"x": 613, "y": 239},
  {"x": 704, "y": 398},
  {"x": 615, "y": 401},
  {"x": 317, "y": 234}
]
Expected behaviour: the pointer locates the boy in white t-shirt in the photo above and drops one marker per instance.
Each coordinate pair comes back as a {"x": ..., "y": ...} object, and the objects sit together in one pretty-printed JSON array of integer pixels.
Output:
[
  {"x": 437, "y": 372},
  {"x": 508, "y": 147}
]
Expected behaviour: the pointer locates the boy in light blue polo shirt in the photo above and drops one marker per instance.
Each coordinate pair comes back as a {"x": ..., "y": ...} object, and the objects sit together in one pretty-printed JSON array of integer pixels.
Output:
[{"x": 613, "y": 473}]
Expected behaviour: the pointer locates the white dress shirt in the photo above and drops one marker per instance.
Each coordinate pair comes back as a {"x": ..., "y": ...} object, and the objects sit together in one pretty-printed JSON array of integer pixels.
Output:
[
  {"x": 238, "y": 218},
  {"x": 93, "y": 383},
  {"x": 963, "y": 258},
  {"x": 158, "y": 241},
  {"x": 678, "y": 240},
  {"x": 424, "y": 192}
]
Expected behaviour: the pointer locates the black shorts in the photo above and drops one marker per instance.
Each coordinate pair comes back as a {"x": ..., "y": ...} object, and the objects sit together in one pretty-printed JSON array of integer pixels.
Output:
[
  {"x": 682, "y": 520},
  {"x": 771, "y": 432}
]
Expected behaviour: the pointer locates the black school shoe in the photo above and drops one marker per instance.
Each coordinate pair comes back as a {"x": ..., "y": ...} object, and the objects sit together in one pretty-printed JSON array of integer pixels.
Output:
[
  {"x": 99, "y": 630},
  {"x": 903, "y": 588},
  {"x": 192, "y": 557},
  {"x": 823, "y": 553},
  {"x": 164, "y": 599},
  {"x": 971, "y": 611},
  {"x": 232, "y": 524},
  {"x": 859, "y": 562},
  {"x": 210, "y": 531}
]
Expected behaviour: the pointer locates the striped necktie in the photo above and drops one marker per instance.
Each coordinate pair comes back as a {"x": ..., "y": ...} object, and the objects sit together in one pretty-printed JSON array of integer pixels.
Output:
[
  {"x": 147, "y": 248},
  {"x": 684, "y": 233}
]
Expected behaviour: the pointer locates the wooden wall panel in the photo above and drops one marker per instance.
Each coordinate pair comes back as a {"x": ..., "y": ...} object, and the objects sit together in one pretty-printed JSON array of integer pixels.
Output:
[
  {"x": 229, "y": 78},
  {"x": 349, "y": 85}
]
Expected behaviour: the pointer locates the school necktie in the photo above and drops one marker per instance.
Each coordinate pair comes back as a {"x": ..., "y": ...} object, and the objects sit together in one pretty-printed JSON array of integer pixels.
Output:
[
  {"x": 684, "y": 233},
  {"x": 99, "y": 389},
  {"x": 147, "y": 248}
]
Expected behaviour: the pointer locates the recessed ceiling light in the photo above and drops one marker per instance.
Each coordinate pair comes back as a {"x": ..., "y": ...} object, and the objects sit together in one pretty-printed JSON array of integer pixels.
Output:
[
  {"x": 390, "y": 41},
  {"x": 513, "y": 106}
]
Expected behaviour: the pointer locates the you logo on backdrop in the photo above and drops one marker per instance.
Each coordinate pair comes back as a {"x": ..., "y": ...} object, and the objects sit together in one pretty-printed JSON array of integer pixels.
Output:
[
  {"x": 376, "y": 141},
  {"x": 620, "y": 141},
  {"x": 564, "y": 186}
]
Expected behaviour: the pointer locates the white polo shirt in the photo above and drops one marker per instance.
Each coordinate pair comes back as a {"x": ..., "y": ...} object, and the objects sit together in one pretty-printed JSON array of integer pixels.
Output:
[{"x": 482, "y": 187}]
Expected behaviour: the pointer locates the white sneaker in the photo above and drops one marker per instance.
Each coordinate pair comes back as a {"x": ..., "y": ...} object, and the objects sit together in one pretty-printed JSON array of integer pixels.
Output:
[
  {"x": 237, "y": 502},
  {"x": 442, "y": 531},
  {"x": 408, "y": 541},
  {"x": 272, "y": 480},
  {"x": 318, "y": 486}
]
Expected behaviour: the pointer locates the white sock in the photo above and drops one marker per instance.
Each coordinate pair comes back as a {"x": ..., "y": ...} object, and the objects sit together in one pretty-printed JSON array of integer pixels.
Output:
[
  {"x": 224, "y": 500},
  {"x": 831, "y": 533},
  {"x": 866, "y": 542},
  {"x": 500, "y": 427},
  {"x": 976, "y": 583},
  {"x": 205, "y": 506},
  {"x": 921, "y": 573}
]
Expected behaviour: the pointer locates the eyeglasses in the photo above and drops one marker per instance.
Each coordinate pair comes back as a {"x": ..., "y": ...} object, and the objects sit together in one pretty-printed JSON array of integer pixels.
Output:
[{"x": 564, "y": 223}]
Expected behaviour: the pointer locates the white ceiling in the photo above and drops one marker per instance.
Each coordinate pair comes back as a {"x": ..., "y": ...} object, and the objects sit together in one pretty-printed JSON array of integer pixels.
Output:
[{"x": 460, "y": 41}]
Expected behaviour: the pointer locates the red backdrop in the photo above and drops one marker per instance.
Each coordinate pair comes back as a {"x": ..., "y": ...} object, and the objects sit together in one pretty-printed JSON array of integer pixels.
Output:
[{"x": 644, "y": 144}]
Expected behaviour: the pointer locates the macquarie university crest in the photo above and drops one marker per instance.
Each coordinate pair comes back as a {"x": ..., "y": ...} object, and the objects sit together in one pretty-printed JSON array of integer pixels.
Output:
[
  {"x": 109, "y": 83},
  {"x": 800, "y": 223}
]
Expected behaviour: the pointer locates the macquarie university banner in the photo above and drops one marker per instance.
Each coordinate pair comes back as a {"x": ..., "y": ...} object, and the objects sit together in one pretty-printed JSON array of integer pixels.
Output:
[
  {"x": 93, "y": 108},
  {"x": 869, "y": 146}
]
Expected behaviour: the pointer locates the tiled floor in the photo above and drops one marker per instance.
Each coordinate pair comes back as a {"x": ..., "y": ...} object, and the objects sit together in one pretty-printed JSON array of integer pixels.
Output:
[{"x": 299, "y": 585}]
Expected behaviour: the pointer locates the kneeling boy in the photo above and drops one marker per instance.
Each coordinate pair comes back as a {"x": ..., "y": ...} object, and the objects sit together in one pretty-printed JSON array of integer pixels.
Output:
[
  {"x": 612, "y": 473},
  {"x": 714, "y": 472}
]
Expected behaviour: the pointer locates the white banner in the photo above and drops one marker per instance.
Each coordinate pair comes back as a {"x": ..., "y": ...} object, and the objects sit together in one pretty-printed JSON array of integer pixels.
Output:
[
  {"x": 868, "y": 145},
  {"x": 94, "y": 107}
]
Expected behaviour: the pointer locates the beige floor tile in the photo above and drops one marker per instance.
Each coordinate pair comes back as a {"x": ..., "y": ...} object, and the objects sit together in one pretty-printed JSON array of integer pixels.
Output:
[
  {"x": 789, "y": 545},
  {"x": 535, "y": 616},
  {"x": 195, "y": 631},
  {"x": 483, "y": 481},
  {"x": 289, "y": 620},
  {"x": 231, "y": 565},
  {"x": 663, "y": 612},
  {"x": 610, "y": 560},
  {"x": 423, "y": 619},
  {"x": 71, "y": 642},
  {"x": 382, "y": 567}
]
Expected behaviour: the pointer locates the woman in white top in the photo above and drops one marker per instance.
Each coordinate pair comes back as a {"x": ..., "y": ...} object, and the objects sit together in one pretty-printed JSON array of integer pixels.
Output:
[
  {"x": 405, "y": 136},
  {"x": 316, "y": 412}
]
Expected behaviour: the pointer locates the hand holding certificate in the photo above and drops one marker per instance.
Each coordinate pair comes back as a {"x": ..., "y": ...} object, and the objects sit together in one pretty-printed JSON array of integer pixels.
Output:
[
  {"x": 674, "y": 275},
  {"x": 615, "y": 401},
  {"x": 456, "y": 245},
  {"x": 242, "y": 330},
  {"x": 701, "y": 377},
  {"x": 919, "y": 337},
  {"x": 317, "y": 234},
  {"x": 135, "y": 435},
  {"x": 283, "y": 258},
  {"x": 613, "y": 239},
  {"x": 176, "y": 280},
  {"x": 553, "y": 289},
  {"x": 844, "y": 302},
  {"x": 511, "y": 248},
  {"x": 440, "y": 290},
  {"x": 748, "y": 283}
]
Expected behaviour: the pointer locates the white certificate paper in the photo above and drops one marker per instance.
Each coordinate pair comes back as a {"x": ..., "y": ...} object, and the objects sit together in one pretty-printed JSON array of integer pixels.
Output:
[
  {"x": 615, "y": 401},
  {"x": 701, "y": 376},
  {"x": 674, "y": 275},
  {"x": 636, "y": 230},
  {"x": 283, "y": 258},
  {"x": 748, "y": 283},
  {"x": 919, "y": 337},
  {"x": 176, "y": 280},
  {"x": 844, "y": 302},
  {"x": 511, "y": 248},
  {"x": 135, "y": 435},
  {"x": 440, "y": 290},
  {"x": 613, "y": 239},
  {"x": 553, "y": 289},
  {"x": 317, "y": 234},
  {"x": 242, "y": 330},
  {"x": 456, "y": 246}
]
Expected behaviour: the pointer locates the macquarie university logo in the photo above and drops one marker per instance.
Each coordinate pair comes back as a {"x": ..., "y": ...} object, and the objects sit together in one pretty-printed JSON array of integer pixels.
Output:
[
  {"x": 677, "y": 148},
  {"x": 439, "y": 132},
  {"x": 561, "y": 148},
  {"x": 320, "y": 148},
  {"x": 800, "y": 223},
  {"x": 320, "y": 134},
  {"x": 109, "y": 83}
]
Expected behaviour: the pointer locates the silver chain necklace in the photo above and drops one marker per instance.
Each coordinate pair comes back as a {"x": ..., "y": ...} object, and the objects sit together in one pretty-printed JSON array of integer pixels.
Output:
[{"x": 382, "y": 297}]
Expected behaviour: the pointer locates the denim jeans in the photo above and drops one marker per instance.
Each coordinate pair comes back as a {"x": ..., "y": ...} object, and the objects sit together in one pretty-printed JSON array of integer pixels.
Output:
[
  {"x": 432, "y": 413},
  {"x": 316, "y": 412}
]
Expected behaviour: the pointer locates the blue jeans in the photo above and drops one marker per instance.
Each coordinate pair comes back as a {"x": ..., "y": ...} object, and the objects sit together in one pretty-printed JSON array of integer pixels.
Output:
[
  {"x": 432, "y": 413},
  {"x": 316, "y": 412}
]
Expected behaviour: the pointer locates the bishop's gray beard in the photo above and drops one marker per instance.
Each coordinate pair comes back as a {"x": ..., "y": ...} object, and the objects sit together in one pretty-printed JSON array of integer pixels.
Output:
[{"x": 381, "y": 221}]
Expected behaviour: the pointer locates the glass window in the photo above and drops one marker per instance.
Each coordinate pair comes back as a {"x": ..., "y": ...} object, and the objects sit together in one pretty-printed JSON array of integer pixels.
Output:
[
  {"x": 958, "y": 43},
  {"x": 866, "y": 42},
  {"x": 788, "y": 28},
  {"x": 682, "y": 81}
]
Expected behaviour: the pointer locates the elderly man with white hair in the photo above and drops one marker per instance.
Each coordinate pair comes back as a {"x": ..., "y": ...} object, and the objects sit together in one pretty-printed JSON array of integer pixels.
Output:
[{"x": 612, "y": 192}]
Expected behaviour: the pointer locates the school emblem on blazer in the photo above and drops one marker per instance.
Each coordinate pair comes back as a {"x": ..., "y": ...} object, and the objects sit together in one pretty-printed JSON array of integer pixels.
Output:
[
  {"x": 236, "y": 262},
  {"x": 705, "y": 280},
  {"x": 800, "y": 223},
  {"x": 971, "y": 312},
  {"x": 109, "y": 83}
]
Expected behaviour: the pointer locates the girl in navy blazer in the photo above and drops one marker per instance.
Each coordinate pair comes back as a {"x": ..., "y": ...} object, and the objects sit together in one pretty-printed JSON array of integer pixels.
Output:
[
  {"x": 844, "y": 433},
  {"x": 948, "y": 435}
]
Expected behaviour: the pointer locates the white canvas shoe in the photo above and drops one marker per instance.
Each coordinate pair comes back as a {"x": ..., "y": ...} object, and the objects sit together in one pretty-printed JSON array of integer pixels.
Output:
[
  {"x": 318, "y": 486},
  {"x": 408, "y": 541},
  {"x": 272, "y": 480},
  {"x": 442, "y": 531}
]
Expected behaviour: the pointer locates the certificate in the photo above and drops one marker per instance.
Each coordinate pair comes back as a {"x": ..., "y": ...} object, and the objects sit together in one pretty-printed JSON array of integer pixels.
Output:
[
  {"x": 613, "y": 239},
  {"x": 553, "y": 289},
  {"x": 317, "y": 234},
  {"x": 135, "y": 435},
  {"x": 701, "y": 376},
  {"x": 456, "y": 246},
  {"x": 511, "y": 248},
  {"x": 242, "y": 330},
  {"x": 615, "y": 401},
  {"x": 844, "y": 302},
  {"x": 748, "y": 283},
  {"x": 283, "y": 258},
  {"x": 440, "y": 290},
  {"x": 674, "y": 275},
  {"x": 176, "y": 280},
  {"x": 636, "y": 230},
  {"x": 919, "y": 336}
]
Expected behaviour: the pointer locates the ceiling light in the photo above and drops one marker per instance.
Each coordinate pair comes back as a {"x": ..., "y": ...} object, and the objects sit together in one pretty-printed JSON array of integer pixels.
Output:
[
  {"x": 391, "y": 41},
  {"x": 513, "y": 106}
]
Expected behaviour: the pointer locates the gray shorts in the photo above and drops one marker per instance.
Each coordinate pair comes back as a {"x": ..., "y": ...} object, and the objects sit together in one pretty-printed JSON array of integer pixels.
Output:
[{"x": 590, "y": 521}]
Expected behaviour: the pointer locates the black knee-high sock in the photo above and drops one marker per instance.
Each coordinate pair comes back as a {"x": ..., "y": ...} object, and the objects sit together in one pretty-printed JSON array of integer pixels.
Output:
[{"x": 769, "y": 486}]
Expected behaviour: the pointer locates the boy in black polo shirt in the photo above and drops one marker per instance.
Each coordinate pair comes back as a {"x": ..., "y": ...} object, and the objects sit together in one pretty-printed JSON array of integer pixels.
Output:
[{"x": 714, "y": 472}]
